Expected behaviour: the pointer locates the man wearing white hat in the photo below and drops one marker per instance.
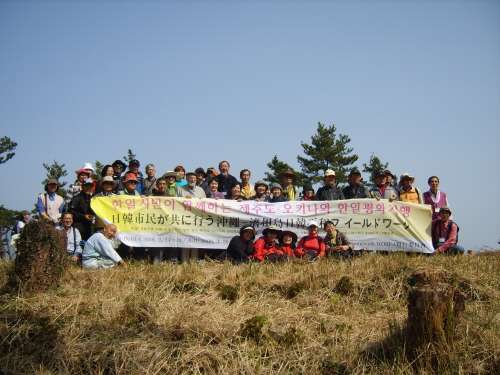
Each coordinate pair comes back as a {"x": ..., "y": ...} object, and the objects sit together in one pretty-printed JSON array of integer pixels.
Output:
[{"x": 408, "y": 193}]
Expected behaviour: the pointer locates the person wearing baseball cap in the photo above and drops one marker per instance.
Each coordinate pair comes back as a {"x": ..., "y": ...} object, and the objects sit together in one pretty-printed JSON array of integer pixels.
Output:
[
  {"x": 390, "y": 177},
  {"x": 133, "y": 167},
  {"x": 355, "y": 189},
  {"x": 329, "y": 192},
  {"x": 381, "y": 190},
  {"x": 445, "y": 234},
  {"x": 311, "y": 246},
  {"x": 50, "y": 205}
]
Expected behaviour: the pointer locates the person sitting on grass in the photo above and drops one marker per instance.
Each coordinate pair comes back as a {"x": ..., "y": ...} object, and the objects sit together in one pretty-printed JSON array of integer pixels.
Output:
[
  {"x": 445, "y": 234},
  {"x": 99, "y": 252},
  {"x": 265, "y": 247},
  {"x": 73, "y": 236},
  {"x": 337, "y": 243},
  {"x": 287, "y": 243},
  {"x": 311, "y": 246},
  {"x": 240, "y": 248}
]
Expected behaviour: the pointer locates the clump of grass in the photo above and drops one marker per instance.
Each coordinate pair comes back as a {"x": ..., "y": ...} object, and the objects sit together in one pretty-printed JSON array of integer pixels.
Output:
[{"x": 252, "y": 328}]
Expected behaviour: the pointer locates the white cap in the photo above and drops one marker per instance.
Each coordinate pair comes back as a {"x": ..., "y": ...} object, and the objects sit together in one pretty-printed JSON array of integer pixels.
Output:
[
  {"x": 329, "y": 172},
  {"x": 311, "y": 223}
]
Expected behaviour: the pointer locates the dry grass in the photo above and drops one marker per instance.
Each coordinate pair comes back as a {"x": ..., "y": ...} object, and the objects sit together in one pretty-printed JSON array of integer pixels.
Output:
[{"x": 214, "y": 318}]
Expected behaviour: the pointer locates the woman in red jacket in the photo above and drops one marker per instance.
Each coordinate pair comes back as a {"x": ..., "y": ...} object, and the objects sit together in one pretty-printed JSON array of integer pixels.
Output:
[
  {"x": 266, "y": 245},
  {"x": 287, "y": 243},
  {"x": 311, "y": 246}
]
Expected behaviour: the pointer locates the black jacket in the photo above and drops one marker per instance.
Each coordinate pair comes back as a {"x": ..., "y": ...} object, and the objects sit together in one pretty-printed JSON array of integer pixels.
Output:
[
  {"x": 329, "y": 193},
  {"x": 79, "y": 207}
]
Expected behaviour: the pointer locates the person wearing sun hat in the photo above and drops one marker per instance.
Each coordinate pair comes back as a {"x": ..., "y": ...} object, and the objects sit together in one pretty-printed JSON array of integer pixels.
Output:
[
  {"x": 240, "y": 248},
  {"x": 287, "y": 242},
  {"x": 277, "y": 191},
  {"x": 171, "y": 177},
  {"x": 311, "y": 246},
  {"x": 50, "y": 205},
  {"x": 106, "y": 186},
  {"x": 129, "y": 184},
  {"x": 266, "y": 245},
  {"x": 290, "y": 191},
  {"x": 260, "y": 192},
  {"x": 445, "y": 234},
  {"x": 409, "y": 193}
]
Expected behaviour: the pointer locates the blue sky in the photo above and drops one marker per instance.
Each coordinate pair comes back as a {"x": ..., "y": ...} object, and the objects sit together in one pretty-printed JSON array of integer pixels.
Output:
[{"x": 196, "y": 82}]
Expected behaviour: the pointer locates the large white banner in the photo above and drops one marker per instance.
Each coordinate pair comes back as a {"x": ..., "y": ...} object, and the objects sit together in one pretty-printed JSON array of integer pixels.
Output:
[{"x": 209, "y": 223}]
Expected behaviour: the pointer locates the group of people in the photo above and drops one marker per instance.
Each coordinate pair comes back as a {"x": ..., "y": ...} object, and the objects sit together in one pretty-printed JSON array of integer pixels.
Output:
[
  {"x": 120, "y": 179},
  {"x": 277, "y": 246}
]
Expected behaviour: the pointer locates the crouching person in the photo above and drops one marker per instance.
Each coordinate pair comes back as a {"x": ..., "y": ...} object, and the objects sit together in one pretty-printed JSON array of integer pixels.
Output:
[
  {"x": 265, "y": 249},
  {"x": 240, "y": 249},
  {"x": 99, "y": 251},
  {"x": 337, "y": 243},
  {"x": 312, "y": 246},
  {"x": 445, "y": 234}
]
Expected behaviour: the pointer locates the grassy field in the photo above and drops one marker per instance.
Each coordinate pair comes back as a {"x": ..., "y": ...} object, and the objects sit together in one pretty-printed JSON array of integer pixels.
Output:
[{"x": 214, "y": 318}]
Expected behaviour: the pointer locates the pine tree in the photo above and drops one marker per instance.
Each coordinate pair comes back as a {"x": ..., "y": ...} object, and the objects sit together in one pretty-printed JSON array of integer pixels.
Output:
[
  {"x": 277, "y": 166},
  {"x": 6, "y": 145},
  {"x": 131, "y": 156},
  {"x": 56, "y": 171},
  {"x": 327, "y": 152}
]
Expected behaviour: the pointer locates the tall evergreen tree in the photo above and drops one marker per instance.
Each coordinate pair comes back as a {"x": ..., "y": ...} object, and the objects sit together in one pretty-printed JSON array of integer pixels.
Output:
[
  {"x": 373, "y": 167},
  {"x": 6, "y": 145},
  {"x": 277, "y": 166},
  {"x": 56, "y": 171},
  {"x": 327, "y": 152}
]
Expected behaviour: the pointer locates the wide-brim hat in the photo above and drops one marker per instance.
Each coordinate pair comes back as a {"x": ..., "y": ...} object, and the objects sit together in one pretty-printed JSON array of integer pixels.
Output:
[
  {"x": 271, "y": 228},
  {"x": 119, "y": 163},
  {"x": 445, "y": 208},
  {"x": 288, "y": 172},
  {"x": 189, "y": 173},
  {"x": 213, "y": 170},
  {"x": 289, "y": 232},
  {"x": 130, "y": 177},
  {"x": 406, "y": 175},
  {"x": 108, "y": 179},
  {"x": 172, "y": 174}
]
